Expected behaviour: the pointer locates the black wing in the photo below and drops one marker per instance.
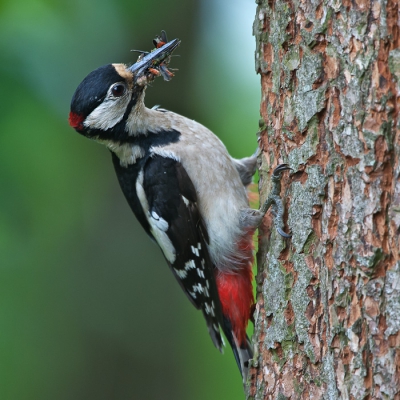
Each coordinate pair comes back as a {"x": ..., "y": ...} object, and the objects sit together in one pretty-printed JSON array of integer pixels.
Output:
[{"x": 175, "y": 223}]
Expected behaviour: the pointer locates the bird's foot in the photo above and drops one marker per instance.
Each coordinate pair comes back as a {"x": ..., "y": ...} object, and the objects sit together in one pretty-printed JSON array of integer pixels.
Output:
[{"x": 275, "y": 200}]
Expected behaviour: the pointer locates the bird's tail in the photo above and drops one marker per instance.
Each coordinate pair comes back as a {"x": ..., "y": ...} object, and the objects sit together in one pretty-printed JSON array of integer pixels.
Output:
[{"x": 243, "y": 352}]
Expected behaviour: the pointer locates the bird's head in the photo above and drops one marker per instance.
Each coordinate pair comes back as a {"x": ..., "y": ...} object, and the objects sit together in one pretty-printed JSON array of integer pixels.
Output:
[{"x": 113, "y": 93}]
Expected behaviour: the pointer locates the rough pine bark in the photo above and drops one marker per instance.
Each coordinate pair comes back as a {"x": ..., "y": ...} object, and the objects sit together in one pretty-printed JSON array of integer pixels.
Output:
[{"x": 327, "y": 319}]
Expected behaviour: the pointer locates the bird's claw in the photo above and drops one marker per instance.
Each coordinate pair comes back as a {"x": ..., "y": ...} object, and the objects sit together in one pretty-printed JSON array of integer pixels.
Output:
[
  {"x": 283, "y": 233},
  {"x": 279, "y": 169},
  {"x": 275, "y": 200}
]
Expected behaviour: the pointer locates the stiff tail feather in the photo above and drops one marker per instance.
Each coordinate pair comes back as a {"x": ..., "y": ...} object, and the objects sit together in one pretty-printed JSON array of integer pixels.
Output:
[{"x": 242, "y": 351}]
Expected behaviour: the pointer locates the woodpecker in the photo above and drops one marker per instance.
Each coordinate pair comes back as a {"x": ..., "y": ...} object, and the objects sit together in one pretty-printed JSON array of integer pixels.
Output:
[{"x": 184, "y": 188}]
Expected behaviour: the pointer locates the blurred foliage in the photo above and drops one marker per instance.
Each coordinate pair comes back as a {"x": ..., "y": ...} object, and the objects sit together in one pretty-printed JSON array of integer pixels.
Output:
[{"x": 88, "y": 307}]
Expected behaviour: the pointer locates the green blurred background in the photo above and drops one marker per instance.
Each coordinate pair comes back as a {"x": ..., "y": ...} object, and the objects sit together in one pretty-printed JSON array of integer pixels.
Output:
[{"x": 88, "y": 307}]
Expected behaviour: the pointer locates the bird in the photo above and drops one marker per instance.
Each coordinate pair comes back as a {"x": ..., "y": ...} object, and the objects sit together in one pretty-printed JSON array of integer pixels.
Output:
[{"x": 184, "y": 188}]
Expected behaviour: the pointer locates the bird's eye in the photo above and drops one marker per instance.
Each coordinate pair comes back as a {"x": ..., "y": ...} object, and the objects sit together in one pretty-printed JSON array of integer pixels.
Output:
[{"x": 118, "y": 90}]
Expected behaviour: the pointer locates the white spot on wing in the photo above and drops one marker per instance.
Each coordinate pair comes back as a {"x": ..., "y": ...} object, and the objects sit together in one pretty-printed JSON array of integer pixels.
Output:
[
  {"x": 190, "y": 265},
  {"x": 209, "y": 310},
  {"x": 181, "y": 273},
  {"x": 198, "y": 288},
  {"x": 200, "y": 273},
  {"x": 195, "y": 251}
]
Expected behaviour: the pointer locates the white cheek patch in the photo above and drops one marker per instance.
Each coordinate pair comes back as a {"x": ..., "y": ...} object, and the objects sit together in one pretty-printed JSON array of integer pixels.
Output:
[
  {"x": 108, "y": 113},
  {"x": 158, "y": 226}
]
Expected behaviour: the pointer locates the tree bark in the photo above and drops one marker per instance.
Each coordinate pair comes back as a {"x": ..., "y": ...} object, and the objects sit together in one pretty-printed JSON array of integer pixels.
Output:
[{"x": 327, "y": 319}]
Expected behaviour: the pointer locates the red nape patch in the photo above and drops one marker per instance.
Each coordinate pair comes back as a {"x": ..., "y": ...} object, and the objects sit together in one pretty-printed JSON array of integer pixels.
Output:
[{"x": 76, "y": 120}]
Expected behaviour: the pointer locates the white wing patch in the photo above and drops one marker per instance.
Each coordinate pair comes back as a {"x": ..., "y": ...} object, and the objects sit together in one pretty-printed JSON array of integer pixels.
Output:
[
  {"x": 158, "y": 225},
  {"x": 161, "y": 223}
]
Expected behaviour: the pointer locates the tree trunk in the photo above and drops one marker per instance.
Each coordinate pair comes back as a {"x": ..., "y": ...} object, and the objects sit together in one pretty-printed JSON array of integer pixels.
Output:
[{"x": 327, "y": 319}]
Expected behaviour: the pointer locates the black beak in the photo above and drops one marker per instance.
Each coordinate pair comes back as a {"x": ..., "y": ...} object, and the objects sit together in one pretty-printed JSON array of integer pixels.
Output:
[{"x": 154, "y": 59}]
